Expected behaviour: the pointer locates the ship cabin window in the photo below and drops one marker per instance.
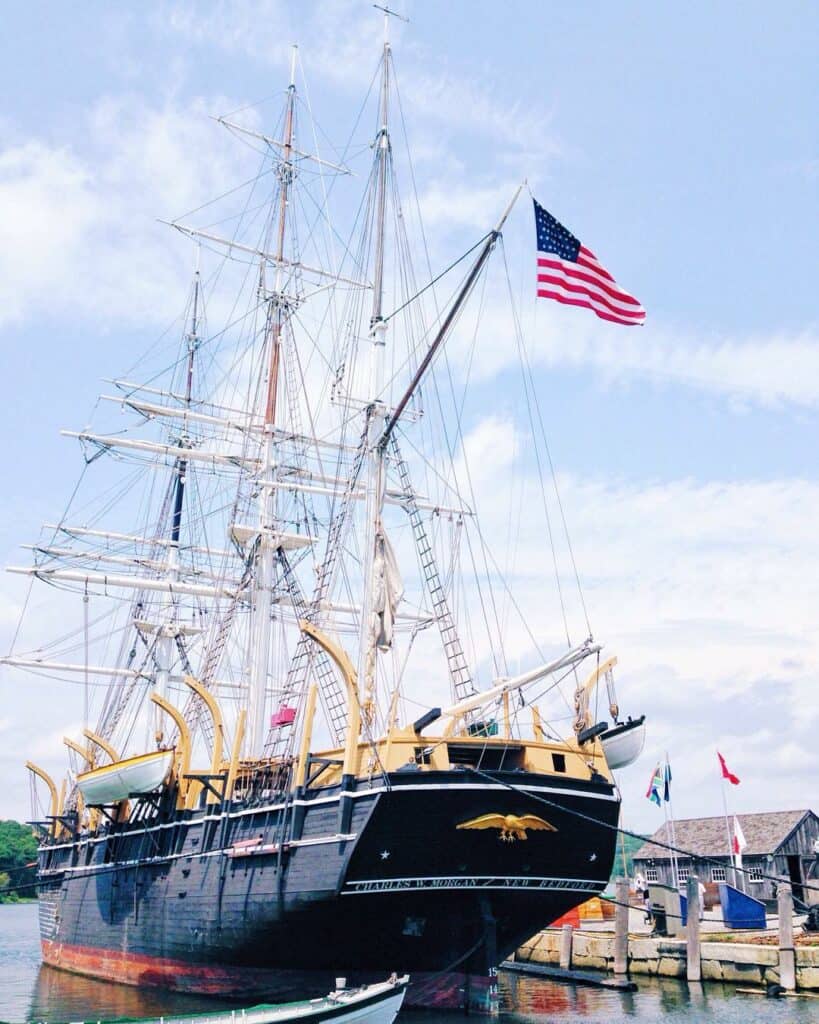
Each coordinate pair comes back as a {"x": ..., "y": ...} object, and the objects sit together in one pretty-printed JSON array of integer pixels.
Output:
[
  {"x": 718, "y": 873},
  {"x": 488, "y": 758},
  {"x": 559, "y": 762},
  {"x": 423, "y": 755},
  {"x": 652, "y": 875}
]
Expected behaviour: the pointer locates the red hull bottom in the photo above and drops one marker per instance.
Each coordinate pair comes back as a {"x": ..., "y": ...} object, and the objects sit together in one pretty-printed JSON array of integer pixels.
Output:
[
  {"x": 160, "y": 972},
  {"x": 449, "y": 990}
]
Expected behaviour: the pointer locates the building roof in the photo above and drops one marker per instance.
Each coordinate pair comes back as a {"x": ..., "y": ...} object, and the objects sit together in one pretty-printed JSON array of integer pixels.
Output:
[{"x": 706, "y": 837}]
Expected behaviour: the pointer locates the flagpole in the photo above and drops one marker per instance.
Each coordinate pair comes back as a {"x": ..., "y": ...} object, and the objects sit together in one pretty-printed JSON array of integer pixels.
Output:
[
  {"x": 667, "y": 833},
  {"x": 673, "y": 831},
  {"x": 728, "y": 834}
]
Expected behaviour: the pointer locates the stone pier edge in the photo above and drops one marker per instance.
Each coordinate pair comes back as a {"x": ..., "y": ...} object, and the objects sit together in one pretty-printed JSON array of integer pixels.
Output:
[{"x": 734, "y": 962}]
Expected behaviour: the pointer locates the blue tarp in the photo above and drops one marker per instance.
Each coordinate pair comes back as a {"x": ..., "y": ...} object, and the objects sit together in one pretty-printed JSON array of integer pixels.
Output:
[{"x": 739, "y": 910}]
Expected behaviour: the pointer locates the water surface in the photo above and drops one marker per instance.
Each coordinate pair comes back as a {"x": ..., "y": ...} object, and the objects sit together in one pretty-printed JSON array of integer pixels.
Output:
[{"x": 30, "y": 991}]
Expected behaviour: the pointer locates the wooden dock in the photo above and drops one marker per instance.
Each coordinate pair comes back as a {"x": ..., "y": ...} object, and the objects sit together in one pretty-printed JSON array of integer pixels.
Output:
[{"x": 566, "y": 974}]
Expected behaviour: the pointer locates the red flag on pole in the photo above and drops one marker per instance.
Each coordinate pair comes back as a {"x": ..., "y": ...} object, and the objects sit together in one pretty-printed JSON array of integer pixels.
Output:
[{"x": 733, "y": 779}]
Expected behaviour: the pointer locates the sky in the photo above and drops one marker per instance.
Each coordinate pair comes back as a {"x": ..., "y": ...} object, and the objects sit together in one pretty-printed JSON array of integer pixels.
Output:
[{"x": 679, "y": 142}]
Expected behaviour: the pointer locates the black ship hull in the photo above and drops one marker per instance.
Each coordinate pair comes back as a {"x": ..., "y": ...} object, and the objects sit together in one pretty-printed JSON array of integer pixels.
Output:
[{"x": 363, "y": 882}]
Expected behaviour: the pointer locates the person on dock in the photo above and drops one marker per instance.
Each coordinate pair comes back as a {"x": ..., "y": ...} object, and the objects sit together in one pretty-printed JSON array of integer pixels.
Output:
[{"x": 647, "y": 906}]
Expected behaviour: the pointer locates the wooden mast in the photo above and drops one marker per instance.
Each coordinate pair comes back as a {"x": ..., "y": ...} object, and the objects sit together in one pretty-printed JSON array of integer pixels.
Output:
[
  {"x": 167, "y": 638},
  {"x": 277, "y": 315},
  {"x": 376, "y": 411},
  {"x": 277, "y": 320}
]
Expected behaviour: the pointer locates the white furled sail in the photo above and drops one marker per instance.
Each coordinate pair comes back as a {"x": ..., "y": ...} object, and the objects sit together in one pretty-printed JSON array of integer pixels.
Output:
[{"x": 388, "y": 589}]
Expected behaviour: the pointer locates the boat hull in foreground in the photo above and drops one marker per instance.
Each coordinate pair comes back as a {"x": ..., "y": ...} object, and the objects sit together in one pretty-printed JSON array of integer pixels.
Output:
[{"x": 378, "y": 1003}]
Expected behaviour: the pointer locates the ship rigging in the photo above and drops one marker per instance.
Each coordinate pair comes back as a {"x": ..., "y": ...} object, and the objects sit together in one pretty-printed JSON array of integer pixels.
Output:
[{"x": 283, "y": 577}]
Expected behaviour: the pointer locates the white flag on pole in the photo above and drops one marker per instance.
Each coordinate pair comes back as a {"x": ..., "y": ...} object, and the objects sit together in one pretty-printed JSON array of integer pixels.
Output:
[{"x": 739, "y": 842}]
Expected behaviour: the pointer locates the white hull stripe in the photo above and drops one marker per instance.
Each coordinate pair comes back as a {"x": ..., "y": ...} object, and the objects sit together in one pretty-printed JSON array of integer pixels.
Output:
[
  {"x": 472, "y": 882},
  {"x": 226, "y": 851},
  {"x": 357, "y": 795}
]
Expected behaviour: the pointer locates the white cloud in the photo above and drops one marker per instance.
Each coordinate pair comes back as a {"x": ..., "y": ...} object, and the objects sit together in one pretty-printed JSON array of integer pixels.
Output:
[
  {"x": 340, "y": 41},
  {"x": 47, "y": 206},
  {"x": 78, "y": 230},
  {"x": 767, "y": 369},
  {"x": 708, "y": 577},
  {"x": 468, "y": 206},
  {"x": 490, "y": 449}
]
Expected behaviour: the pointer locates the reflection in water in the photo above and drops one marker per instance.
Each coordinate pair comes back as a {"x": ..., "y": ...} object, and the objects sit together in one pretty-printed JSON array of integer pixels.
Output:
[
  {"x": 29, "y": 991},
  {"x": 657, "y": 1001},
  {"x": 58, "y": 995},
  {"x": 530, "y": 998}
]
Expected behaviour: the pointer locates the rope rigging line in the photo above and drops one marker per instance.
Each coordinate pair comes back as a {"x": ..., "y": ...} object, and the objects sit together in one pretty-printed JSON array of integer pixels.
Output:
[
  {"x": 526, "y": 371},
  {"x": 437, "y": 278},
  {"x": 495, "y": 646}
]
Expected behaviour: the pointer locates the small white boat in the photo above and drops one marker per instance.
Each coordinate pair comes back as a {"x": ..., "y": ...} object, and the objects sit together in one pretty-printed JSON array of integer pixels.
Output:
[
  {"x": 370, "y": 1004},
  {"x": 114, "y": 782},
  {"x": 623, "y": 743}
]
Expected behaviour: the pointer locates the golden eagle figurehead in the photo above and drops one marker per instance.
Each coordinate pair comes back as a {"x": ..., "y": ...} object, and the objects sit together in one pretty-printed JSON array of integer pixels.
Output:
[{"x": 511, "y": 826}]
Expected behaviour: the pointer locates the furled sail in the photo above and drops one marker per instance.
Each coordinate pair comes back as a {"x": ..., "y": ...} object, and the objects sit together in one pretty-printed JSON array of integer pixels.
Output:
[{"x": 388, "y": 589}]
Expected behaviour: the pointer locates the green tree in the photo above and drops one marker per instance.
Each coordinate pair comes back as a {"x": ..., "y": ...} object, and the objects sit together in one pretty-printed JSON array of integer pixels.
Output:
[{"x": 18, "y": 857}]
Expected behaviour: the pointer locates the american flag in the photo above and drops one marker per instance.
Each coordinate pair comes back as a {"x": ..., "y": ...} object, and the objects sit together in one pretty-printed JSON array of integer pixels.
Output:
[{"x": 570, "y": 273}]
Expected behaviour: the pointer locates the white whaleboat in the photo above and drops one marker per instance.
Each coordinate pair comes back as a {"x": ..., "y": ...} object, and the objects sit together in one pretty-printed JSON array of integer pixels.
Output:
[
  {"x": 622, "y": 742},
  {"x": 368, "y": 1004},
  {"x": 120, "y": 780}
]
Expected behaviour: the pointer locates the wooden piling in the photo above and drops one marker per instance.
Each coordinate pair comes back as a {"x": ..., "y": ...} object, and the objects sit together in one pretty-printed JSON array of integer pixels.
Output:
[
  {"x": 621, "y": 927},
  {"x": 787, "y": 957},
  {"x": 692, "y": 930},
  {"x": 566, "y": 934}
]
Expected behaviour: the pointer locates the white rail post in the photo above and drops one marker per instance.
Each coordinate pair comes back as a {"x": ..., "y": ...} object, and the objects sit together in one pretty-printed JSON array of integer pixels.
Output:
[
  {"x": 566, "y": 933},
  {"x": 621, "y": 927},
  {"x": 787, "y": 957},
  {"x": 692, "y": 930}
]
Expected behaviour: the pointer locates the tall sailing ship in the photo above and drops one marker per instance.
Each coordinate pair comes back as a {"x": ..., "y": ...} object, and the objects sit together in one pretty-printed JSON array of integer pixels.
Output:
[{"x": 308, "y": 755}]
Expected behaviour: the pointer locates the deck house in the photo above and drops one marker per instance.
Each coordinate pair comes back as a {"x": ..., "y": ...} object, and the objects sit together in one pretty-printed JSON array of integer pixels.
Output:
[{"x": 782, "y": 844}]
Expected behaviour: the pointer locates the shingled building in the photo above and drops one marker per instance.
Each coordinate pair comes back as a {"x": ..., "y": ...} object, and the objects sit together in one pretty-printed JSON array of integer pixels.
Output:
[{"x": 784, "y": 844}]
